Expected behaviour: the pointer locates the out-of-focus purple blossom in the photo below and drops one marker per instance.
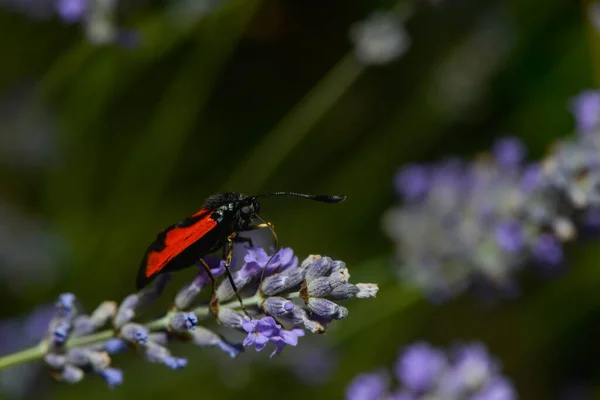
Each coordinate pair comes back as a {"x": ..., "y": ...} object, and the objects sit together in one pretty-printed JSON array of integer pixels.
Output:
[
  {"x": 509, "y": 235},
  {"x": 420, "y": 366},
  {"x": 498, "y": 388},
  {"x": 480, "y": 222},
  {"x": 424, "y": 372},
  {"x": 586, "y": 110},
  {"x": 412, "y": 182},
  {"x": 71, "y": 10},
  {"x": 547, "y": 250},
  {"x": 509, "y": 152},
  {"x": 368, "y": 386}
]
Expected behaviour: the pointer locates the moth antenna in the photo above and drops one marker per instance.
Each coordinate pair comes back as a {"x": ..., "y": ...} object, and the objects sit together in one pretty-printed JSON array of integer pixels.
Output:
[{"x": 321, "y": 198}]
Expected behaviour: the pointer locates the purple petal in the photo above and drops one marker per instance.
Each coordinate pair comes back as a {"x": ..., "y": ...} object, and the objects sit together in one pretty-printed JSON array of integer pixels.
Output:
[{"x": 509, "y": 152}]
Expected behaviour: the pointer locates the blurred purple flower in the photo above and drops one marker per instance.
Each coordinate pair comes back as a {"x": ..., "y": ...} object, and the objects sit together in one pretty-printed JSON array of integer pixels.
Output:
[
  {"x": 586, "y": 110},
  {"x": 368, "y": 386},
  {"x": 509, "y": 152},
  {"x": 420, "y": 367},
  {"x": 412, "y": 182},
  {"x": 71, "y": 10},
  {"x": 498, "y": 388},
  {"x": 424, "y": 372},
  {"x": 547, "y": 250},
  {"x": 509, "y": 235}
]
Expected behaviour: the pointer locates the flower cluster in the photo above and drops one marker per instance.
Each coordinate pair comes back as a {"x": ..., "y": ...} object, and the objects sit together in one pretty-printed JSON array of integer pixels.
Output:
[
  {"x": 425, "y": 372},
  {"x": 282, "y": 298},
  {"x": 463, "y": 224}
]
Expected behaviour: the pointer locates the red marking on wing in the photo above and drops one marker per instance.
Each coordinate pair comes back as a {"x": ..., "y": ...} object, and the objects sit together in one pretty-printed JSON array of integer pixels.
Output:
[{"x": 177, "y": 239}]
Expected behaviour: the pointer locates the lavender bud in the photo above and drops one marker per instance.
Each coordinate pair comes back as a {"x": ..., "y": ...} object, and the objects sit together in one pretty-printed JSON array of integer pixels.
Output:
[
  {"x": 112, "y": 376},
  {"x": 323, "y": 307},
  {"x": 309, "y": 261},
  {"x": 344, "y": 291},
  {"x": 66, "y": 302},
  {"x": 367, "y": 290},
  {"x": 225, "y": 292},
  {"x": 338, "y": 265},
  {"x": 115, "y": 345},
  {"x": 321, "y": 267},
  {"x": 134, "y": 333},
  {"x": 105, "y": 311},
  {"x": 55, "y": 361},
  {"x": 230, "y": 318},
  {"x": 342, "y": 312},
  {"x": 60, "y": 331},
  {"x": 185, "y": 297},
  {"x": 175, "y": 362},
  {"x": 339, "y": 276},
  {"x": 298, "y": 316},
  {"x": 83, "y": 325},
  {"x": 156, "y": 353},
  {"x": 84, "y": 357},
  {"x": 278, "y": 283},
  {"x": 206, "y": 338},
  {"x": 277, "y": 306},
  {"x": 319, "y": 287},
  {"x": 123, "y": 317},
  {"x": 182, "y": 321},
  {"x": 71, "y": 374},
  {"x": 126, "y": 310}
]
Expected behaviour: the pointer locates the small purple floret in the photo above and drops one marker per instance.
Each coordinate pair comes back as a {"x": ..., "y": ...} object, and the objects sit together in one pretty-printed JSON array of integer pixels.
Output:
[
  {"x": 61, "y": 332},
  {"x": 175, "y": 362},
  {"x": 191, "y": 320},
  {"x": 115, "y": 345},
  {"x": 112, "y": 376},
  {"x": 265, "y": 330}
]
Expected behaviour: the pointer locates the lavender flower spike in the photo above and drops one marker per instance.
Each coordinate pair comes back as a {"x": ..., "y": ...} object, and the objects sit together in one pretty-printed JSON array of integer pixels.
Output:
[
  {"x": 425, "y": 372},
  {"x": 300, "y": 295}
]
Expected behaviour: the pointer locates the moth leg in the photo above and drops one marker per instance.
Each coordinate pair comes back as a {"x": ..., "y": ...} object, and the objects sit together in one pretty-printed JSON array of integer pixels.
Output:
[
  {"x": 213, "y": 299},
  {"x": 228, "y": 250},
  {"x": 271, "y": 227},
  {"x": 243, "y": 239}
]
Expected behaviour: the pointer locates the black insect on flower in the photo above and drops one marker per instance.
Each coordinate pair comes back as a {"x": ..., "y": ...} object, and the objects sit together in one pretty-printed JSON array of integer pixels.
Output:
[{"x": 216, "y": 226}]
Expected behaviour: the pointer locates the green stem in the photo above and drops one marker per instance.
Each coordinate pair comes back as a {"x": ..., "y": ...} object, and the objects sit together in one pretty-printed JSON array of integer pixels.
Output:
[
  {"x": 37, "y": 352},
  {"x": 23, "y": 356}
]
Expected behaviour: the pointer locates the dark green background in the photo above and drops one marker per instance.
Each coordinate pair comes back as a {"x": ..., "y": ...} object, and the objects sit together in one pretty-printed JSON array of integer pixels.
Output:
[{"x": 145, "y": 135}]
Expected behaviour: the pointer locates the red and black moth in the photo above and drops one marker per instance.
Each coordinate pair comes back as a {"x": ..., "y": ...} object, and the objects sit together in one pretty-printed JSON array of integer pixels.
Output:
[{"x": 214, "y": 227}]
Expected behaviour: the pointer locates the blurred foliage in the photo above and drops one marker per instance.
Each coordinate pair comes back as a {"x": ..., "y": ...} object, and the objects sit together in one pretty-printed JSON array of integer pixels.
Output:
[{"x": 265, "y": 95}]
